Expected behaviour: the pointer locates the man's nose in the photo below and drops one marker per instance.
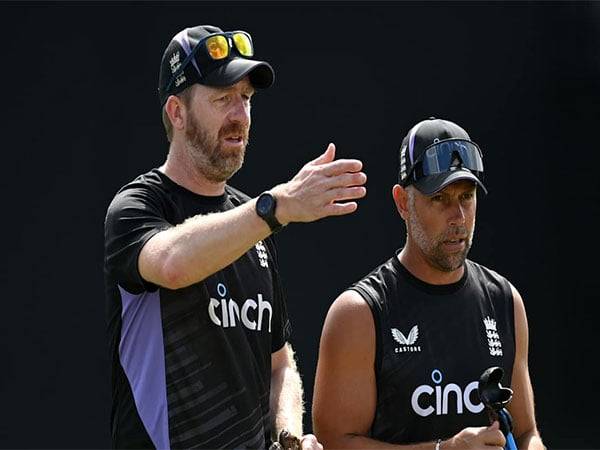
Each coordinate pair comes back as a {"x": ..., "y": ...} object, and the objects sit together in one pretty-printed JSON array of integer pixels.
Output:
[
  {"x": 457, "y": 214},
  {"x": 240, "y": 111}
]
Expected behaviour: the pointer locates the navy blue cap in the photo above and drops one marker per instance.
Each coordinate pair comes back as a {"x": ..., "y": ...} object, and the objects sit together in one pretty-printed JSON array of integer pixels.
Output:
[
  {"x": 202, "y": 69},
  {"x": 422, "y": 136}
]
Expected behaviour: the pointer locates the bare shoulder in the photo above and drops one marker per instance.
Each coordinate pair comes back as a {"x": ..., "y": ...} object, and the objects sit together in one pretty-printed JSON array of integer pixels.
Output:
[
  {"x": 345, "y": 389},
  {"x": 349, "y": 309},
  {"x": 350, "y": 301},
  {"x": 349, "y": 325},
  {"x": 516, "y": 295}
]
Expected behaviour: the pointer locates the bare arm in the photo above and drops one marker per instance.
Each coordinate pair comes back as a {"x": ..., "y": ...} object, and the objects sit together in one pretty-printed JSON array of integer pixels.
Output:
[
  {"x": 199, "y": 247},
  {"x": 522, "y": 406},
  {"x": 202, "y": 245},
  {"x": 286, "y": 393},
  {"x": 286, "y": 402},
  {"x": 345, "y": 393}
]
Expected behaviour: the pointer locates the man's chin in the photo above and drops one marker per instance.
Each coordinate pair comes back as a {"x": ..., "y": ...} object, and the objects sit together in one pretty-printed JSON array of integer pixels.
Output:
[
  {"x": 449, "y": 263},
  {"x": 223, "y": 172}
]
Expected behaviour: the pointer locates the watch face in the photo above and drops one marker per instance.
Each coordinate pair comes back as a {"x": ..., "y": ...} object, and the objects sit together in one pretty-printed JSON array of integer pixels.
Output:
[{"x": 264, "y": 204}]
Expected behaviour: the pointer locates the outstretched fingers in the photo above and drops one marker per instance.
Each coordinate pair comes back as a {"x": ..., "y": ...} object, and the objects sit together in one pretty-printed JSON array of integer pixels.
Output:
[
  {"x": 345, "y": 193},
  {"x": 340, "y": 209},
  {"x": 323, "y": 187},
  {"x": 340, "y": 166},
  {"x": 345, "y": 180},
  {"x": 326, "y": 157}
]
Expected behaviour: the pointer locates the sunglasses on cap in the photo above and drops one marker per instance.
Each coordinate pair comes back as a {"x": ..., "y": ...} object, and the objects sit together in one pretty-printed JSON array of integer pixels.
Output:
[
  {"x": 440, "y": 157},
  {"x": 218, "y": 46}
]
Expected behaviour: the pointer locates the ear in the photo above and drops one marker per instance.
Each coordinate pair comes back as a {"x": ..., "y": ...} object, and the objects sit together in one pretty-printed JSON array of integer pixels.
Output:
[
  {"x": 401, "y": 200},
  {"x": 176, "y": 111}
]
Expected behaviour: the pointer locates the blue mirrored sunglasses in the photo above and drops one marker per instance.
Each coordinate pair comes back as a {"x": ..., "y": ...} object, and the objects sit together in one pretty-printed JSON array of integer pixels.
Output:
[{"x": 440, "y": 156}]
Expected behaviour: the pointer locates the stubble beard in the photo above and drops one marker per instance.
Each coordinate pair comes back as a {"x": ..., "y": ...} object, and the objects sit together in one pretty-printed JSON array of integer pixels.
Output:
[
  {"x": 214, "y": 162},
  {"x": 432, "y": 247}
]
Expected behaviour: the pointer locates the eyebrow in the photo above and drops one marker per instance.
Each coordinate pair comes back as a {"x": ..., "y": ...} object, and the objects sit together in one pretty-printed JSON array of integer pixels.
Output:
[
  {"x": 231, "y": 89},
  {"x": 460, "y": 191}
]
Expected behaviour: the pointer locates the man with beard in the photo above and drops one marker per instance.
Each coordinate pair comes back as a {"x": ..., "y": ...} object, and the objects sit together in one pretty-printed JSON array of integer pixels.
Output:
[
  {"x": 196, "y": 313},
  {"x": 402, "y": 349}
]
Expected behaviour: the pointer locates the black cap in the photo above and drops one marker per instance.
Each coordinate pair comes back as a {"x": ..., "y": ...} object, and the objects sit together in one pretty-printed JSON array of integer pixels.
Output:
[
  {"x": 204, "y": 70},
  {"x": 414, "y": 144}
]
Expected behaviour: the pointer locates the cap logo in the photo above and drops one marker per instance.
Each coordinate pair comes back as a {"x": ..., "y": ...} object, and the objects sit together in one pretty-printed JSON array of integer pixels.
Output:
[
  {"x": 180, "y": 79},
  {"x": 175, "y": 62},
  {"x": 403, "y": 163}
]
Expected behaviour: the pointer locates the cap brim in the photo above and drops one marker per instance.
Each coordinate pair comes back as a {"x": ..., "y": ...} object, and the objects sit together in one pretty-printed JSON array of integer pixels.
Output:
[
  {"x": 261, "y": 73},
  {"x": 435, "y": 183}
]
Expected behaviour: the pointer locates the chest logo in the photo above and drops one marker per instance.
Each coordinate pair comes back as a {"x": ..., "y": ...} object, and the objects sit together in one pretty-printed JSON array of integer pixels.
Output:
[
  {"x": 407, "y": 343},
  {"x": 251, "y": 314},
  {"x": 445, "y": 399},
  {"x": 493, "y": 338},
  {"x": 261, "y": 250}
]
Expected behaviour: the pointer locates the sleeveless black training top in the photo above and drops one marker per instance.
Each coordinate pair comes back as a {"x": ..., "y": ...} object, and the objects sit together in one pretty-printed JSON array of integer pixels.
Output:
[{"x": 433, "y": 343}]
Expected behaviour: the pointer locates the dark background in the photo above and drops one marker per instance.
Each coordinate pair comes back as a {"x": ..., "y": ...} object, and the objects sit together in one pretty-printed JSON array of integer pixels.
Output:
[{"x": 80, "y": 118}]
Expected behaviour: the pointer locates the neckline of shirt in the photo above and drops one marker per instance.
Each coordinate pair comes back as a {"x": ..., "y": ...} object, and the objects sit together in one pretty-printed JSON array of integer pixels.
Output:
[
  {"x": 435, "y": 289},
  {"x": 205, "y": 199}
]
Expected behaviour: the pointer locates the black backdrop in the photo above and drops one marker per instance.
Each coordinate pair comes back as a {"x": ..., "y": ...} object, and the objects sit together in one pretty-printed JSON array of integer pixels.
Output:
[{"x": 80, "y": 118}]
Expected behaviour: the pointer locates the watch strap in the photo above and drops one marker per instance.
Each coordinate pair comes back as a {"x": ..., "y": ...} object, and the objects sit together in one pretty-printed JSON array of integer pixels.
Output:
[{"x": 269, "y": 215}]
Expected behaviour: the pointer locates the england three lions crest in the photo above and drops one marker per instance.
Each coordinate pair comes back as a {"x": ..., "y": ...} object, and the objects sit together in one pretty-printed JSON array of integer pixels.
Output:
[
  {"x": 263, "y": 256},
  {"x": 493, "y": 338}
]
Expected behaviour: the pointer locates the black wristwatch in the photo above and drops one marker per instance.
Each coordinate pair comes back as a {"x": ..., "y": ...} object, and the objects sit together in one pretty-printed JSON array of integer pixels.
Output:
[{"x": 265, "y": 208}]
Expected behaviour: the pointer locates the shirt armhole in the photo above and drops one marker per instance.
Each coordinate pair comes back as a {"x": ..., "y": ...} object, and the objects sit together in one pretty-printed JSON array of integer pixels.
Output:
[
  {"x": 510, "y": 312},
  {"x": 375, "y": 312}
]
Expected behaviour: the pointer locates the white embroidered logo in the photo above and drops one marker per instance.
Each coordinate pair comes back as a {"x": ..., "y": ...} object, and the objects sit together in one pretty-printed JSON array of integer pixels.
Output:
[
  {"x": 406, "y": 342},
  {"x": 493, "y": 337},
  {"x": 403, "y": 163},
  {"x": 261, "y": 250},
  {"x": 175, "y": 63}
]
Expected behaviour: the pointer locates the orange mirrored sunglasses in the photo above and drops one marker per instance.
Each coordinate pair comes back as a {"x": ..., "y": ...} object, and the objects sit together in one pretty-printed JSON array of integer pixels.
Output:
[{"x": 218, "y": 46}]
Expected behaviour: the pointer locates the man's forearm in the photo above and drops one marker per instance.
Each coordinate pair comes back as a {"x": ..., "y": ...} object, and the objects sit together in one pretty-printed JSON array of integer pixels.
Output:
[
  {"x": 201, "y": 246},
  {"x": 286, "y": 400}
]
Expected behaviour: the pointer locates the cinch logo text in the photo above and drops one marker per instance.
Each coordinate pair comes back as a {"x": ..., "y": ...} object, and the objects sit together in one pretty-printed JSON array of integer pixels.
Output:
[
  {"x": 425, "y": 397},
  {"x": 227, "y": 313}
]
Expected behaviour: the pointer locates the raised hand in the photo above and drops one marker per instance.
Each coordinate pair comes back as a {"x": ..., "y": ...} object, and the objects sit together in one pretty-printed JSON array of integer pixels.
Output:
[{"x": 321, "y": 188}]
